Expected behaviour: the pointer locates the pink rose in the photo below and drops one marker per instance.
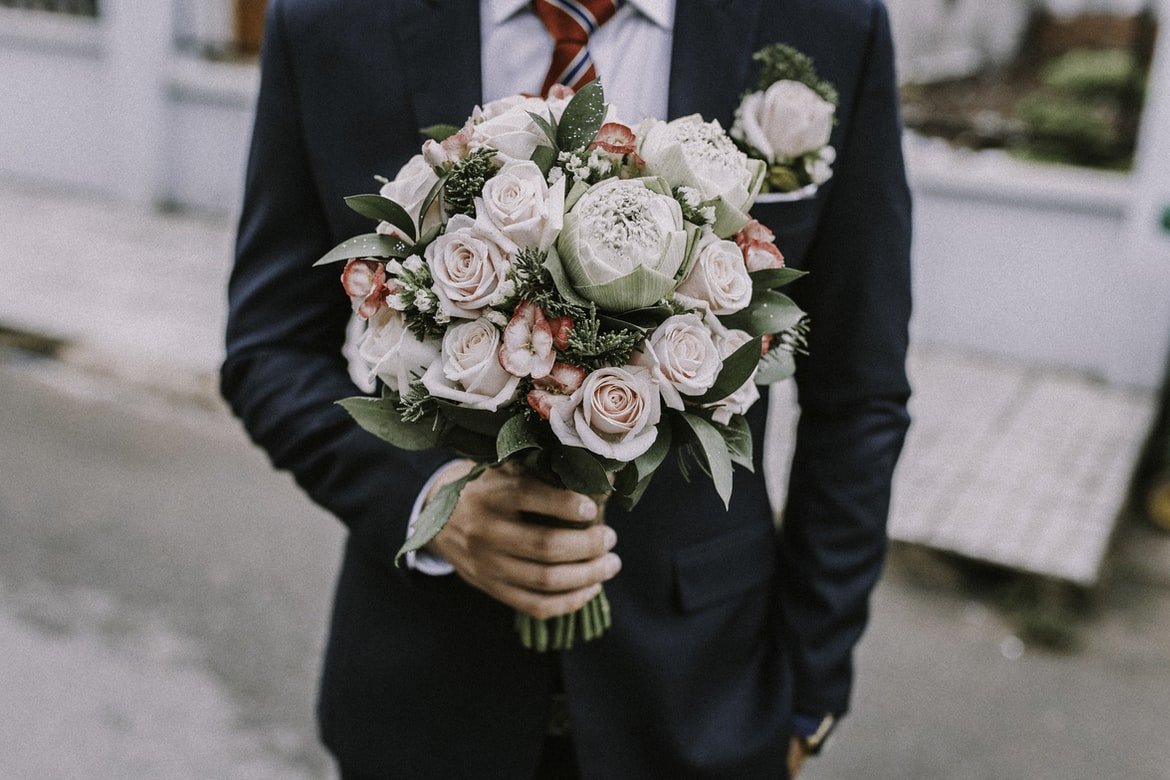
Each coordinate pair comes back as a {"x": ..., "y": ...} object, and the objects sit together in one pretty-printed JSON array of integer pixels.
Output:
[
  {"x": 365, "y": 284},
  {"x": 468, "y": 268},
  {"x": 718, "y": 276},
  {"x": 612, "y": 414},
  {"x": 469, "y": 371},
  {"x": 394, "y": 354},
  {"x": 518, "y": 209},
  {"x": 683, "y": 358},
  {"x": 561, "y": 382},
  {"x": 528, "y": 343}
]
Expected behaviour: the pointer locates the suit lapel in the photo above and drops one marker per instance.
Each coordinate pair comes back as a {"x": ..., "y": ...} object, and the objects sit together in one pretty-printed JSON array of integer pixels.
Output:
[
  {"x": 439, "y": 41},
  {"x": 711, "y": 56}
]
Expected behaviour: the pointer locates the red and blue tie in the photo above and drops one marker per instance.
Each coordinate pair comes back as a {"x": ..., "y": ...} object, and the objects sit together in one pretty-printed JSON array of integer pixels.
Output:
[{"x": 570, "y": 23}]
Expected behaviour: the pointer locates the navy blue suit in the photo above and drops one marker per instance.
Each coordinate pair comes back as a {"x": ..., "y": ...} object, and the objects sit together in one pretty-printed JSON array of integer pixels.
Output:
[{"x": 721, "y": 627}]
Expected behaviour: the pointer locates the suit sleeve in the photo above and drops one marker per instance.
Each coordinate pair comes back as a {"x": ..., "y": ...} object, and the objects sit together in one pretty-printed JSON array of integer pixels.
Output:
[
  {"x": 853, "y": 391},
  {"x": 284, "y": 368}
]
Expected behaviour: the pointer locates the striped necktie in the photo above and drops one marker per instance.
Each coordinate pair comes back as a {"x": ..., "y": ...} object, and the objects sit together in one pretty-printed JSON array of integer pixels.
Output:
[{"x": 570, "y": 23}]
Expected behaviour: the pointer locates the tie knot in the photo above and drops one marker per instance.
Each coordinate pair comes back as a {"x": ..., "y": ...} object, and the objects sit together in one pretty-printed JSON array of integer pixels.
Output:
[{"x": 570, "y": 23}]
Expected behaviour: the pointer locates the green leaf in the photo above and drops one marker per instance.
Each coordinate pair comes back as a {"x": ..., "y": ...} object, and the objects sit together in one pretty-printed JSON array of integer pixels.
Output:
[
  {"x": 712, "y": 448},
  {"x": 383, "y": 210},
  {"x": 580, "y": 471},
  {"x": 737, "y": 369},
  {"x": 545, "y": 158},
  {"x": 574, "y": 194},
  {"x": 737, "y": 435},
  {"x": 367, "y": 245},
  {"x": 648, "y": 462},
  {"x": 629, "y": 497},
  {"x": 436, "y": 188},
  {"x": 774, "y": 277},
  {"x": 436, "y": 513},
  {"x": 518, "y": 434},
  {"x": 476, "y": 420},
  {"x": 439, "y": 132},
  {"x": 776, "y": 366},
  {"x": 429, "y": 235},
  {"x": 381, "y": 417},
  {"x": 548, "y": 127},
  {"x": 582, "y": 118},
  {"x": 769, "y": 312}
]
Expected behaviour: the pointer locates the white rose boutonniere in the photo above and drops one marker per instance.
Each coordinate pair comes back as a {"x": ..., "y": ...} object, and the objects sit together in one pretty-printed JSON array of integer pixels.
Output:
[{"x": 788, "y": 120}]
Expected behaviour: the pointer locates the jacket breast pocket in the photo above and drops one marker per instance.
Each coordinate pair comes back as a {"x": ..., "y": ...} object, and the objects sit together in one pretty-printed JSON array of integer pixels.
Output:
[
  {"x": 793, "y": 222},
  {"x": 717, "y": 570}
]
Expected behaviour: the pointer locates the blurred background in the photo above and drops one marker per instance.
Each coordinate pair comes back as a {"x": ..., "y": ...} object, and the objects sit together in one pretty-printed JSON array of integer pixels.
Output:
[{"x": 163, "y": 594}]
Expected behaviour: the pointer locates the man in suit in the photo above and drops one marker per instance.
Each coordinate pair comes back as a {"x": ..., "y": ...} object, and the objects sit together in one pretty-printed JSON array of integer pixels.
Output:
[{"x": 730, "y": 644}]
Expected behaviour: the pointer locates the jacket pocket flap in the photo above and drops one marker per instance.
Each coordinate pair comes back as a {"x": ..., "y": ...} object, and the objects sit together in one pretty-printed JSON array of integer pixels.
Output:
[{"x": 715, "y": 570}]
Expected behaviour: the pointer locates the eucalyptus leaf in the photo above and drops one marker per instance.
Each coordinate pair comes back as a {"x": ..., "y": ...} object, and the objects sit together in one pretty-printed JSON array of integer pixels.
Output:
[
  {"x": 580, "y": 471},
  {"x": 769, "y": 312},
  {"x": 383, "y": 210},
  {"x": 770, "y": 278},
  {"x": 381, "y": 417},
  {"x": 582, "y": 118},
  {"x": 367, "y": 245},
  {"x": 516, "y": 435},
  {"x": 545, "y": 158},
  {"x": 714, "y": 452},
  {"x": 436, "y": 513},
  {"x": 737, "y": 369},
  {"x": 439, "y": 132}
]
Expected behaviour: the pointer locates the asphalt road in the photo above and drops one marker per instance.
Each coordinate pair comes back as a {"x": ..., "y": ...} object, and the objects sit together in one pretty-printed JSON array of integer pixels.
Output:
[{"x": 163, "y": 596}]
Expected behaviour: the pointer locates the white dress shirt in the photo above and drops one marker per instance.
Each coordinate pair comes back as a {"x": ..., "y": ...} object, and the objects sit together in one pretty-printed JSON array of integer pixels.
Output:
[{"x": 631, "y": 53}]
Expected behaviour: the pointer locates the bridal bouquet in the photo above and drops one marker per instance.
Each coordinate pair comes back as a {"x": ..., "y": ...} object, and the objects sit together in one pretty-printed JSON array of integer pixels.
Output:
[{"x": 554, "y": 290}]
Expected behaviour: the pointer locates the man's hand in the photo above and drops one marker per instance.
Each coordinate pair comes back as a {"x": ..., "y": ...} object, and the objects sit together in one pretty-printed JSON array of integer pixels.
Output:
[
  {"x": 542, "y": 571},
  {"x": 797, "y": 755}
]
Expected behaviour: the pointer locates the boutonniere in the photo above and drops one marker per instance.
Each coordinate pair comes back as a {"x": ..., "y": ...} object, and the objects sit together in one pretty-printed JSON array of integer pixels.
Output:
[{"x": 787, "y": 120}]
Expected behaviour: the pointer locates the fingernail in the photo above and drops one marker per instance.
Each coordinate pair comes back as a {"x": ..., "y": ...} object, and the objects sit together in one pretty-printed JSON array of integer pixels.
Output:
[
  {"x": 610, "y": 538},
  {"x": 587, "y": 509},
  {"x": 613, "y": 565}
]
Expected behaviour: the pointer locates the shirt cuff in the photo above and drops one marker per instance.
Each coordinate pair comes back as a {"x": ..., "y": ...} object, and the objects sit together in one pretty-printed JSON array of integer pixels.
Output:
[{"x": 424, "y": 561}]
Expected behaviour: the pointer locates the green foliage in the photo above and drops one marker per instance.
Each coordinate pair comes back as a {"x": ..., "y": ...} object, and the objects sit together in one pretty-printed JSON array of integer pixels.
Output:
[
  {"x": 439, "y": 132},
  {"x": 592, "y": 346},
  {"x": 582, "y": 118},
  {"x": 781, "y": 62},
  {"x": 535, "y": 284},
  {"x": 1065, "y": 128},
  {"x": 366, "y": 245},
  {"x": 417, "y": 404},
  {"x": 1095, "y": 73},
  {"x": 466, "y": 181}
]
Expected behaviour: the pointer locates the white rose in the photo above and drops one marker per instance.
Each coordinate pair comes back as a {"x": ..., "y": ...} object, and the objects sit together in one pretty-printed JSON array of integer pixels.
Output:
[
  {"x": 623, "y": 243},
  {"x": 468, "y": 268},
  {"x": 394, "y": 354},
  {"x": 505, "y": 125},
  {"x": 469, "y": 371},
  {"x": 409, "y": 189},
  {"x": 747, "y": 394},
  {"x": 612, "y": 414},
  {"x": 682, "y": 357},
  {"x": 692, "y": 153},
  {"x": 784, "y": 122},
  {"x": 719, "y": 276},
  {"x": 518, "y": 209}
]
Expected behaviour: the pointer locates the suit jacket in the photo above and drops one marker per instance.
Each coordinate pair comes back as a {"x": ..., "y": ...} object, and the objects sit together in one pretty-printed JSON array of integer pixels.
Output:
[{"x": 720, "y": 625}]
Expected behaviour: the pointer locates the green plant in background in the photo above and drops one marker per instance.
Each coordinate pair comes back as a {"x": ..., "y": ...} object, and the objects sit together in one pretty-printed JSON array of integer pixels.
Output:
[{"x": 1086, "y": 111}]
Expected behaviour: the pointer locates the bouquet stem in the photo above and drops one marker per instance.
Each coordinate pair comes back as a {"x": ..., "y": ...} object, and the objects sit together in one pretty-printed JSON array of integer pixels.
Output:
[{"x": 559, "y": 633}]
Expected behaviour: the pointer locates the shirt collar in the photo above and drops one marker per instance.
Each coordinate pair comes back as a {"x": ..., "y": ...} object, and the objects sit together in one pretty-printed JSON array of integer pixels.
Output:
[{"x": 661, "y": 12}]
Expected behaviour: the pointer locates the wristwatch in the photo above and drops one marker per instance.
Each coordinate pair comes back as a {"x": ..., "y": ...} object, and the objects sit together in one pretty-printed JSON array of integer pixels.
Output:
[{"x": 812, "y": 731}]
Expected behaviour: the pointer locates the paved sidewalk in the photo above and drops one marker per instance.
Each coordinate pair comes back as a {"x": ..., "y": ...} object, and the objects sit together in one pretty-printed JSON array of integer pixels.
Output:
[{"x": 1005, "y": 463}]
